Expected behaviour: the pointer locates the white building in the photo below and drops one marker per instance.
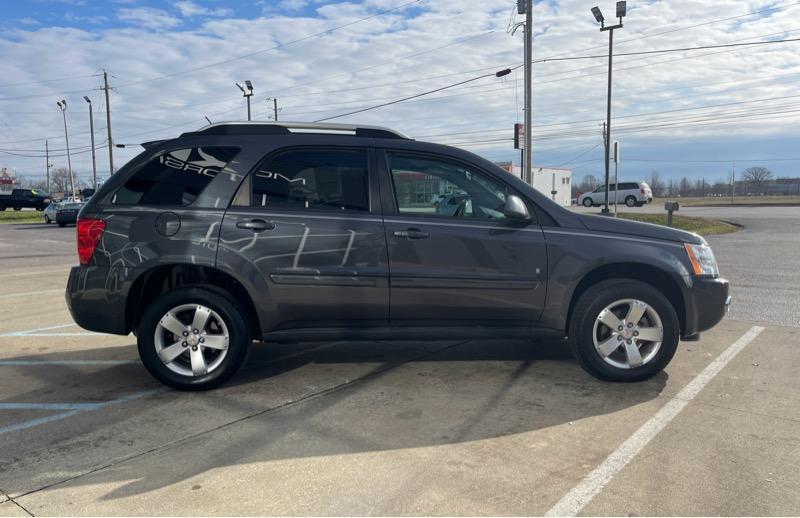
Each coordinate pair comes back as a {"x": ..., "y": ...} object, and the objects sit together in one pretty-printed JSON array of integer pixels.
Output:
[{"x": 546, "y": 180}]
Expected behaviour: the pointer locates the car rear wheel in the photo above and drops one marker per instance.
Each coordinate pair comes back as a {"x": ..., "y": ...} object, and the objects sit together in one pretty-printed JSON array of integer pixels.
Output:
[
  {"x": 587, "y": 202},
  {"x": 623, "y": 330},
  {"x": 193, "y": 338},
  {"x": 17, "y": 208},
  {"x": 62, "y": 224},
  {"x": 630, "y": 201}
]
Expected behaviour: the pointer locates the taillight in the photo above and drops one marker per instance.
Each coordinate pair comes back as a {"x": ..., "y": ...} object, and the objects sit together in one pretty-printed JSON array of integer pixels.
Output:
[
  {"x": 642, "y": 191},
  {"x": 90, "y": 230}
]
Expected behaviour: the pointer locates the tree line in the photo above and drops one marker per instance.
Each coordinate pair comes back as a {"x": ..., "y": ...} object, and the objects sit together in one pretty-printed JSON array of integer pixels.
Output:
[{"x": 751, "y": 181}]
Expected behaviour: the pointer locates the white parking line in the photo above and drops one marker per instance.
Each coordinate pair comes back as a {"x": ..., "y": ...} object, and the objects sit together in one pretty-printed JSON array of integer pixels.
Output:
[
  {"x": 64, "y": 362},
  {"x": 27, "y": 293},
  {"x": 71, "y": 409},
  {"x": 573, "y": 502},
  {"x": 45, "y": 331}
]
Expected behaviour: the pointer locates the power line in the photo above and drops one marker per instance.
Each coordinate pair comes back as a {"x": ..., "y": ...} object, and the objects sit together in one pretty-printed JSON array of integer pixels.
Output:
[{"x": 496, "y": 74}]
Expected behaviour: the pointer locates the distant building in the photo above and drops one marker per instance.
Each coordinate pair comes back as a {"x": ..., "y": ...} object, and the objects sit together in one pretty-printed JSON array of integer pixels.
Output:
[{"x": 546, "y": 180}]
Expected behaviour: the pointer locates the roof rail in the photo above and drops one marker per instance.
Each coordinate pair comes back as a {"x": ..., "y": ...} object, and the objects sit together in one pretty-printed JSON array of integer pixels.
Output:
[{"x": 284, "y": 128}]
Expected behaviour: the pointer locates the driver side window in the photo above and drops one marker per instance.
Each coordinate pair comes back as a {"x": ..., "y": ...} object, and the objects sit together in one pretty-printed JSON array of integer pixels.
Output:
[{"x": 437, "y": 187}]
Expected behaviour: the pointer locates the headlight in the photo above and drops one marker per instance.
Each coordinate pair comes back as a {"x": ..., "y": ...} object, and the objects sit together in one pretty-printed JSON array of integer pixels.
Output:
[{"x": 702, "y": 259}]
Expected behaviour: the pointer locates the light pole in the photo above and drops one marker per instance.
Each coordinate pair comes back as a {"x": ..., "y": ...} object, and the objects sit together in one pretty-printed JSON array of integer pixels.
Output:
[
  {"x": 247, "y": 94},
  {"x": 63, "y": 105},
  {"x": 598, "y": 15},
  {"x": 91, "y": 130}
]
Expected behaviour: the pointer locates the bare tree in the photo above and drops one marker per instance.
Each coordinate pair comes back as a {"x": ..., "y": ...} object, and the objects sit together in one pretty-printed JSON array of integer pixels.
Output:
[
  {"x": 685, "y": 187},
  {"x": 60, "y": 181},
  {"x": 588, "y": 183},
  {"x": 757, "y": 176},
  {"x": 655, "y": 183}
]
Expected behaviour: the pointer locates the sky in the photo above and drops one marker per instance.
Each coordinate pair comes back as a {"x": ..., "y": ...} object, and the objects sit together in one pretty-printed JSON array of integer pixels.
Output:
[{"x": 171, "y": 63}]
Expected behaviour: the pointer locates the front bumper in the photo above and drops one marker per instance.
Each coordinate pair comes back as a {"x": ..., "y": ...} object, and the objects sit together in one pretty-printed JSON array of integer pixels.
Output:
[{"x": 708, "y": 301}]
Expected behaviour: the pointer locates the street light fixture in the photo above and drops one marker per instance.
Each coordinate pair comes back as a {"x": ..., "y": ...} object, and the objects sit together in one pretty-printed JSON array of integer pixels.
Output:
[
  {"x": 63, "y": 105},
  {"x": 91, "y": 130},
  {"x": 598, "y": 15},
  {"x": 247, "y": 94}
]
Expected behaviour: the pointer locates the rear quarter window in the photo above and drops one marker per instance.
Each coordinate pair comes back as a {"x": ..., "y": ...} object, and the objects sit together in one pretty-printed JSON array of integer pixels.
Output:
[{"x": 175, "y": 178}]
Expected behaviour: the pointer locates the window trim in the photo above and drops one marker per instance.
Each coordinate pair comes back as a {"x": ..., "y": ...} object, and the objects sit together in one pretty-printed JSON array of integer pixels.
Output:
[
  {"x": 394, "y": 210},
  {"x": 372, "y": 199},
  {"x": 109, "y": 200}
]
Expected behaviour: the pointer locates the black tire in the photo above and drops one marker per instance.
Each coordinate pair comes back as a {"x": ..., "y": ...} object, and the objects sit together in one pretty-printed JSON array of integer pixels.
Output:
[
  {"x": 17, "y": 208},
  {"x": 47, "y": 219},
  {"x": 2, "y": 208},
  {"x": 240, "y": 337},
  {"x": 587, "y": 202},
  {"x": 630, "y": 201},
  {"x": 586, "y": 312},
  {"x": 61, "y": 224}
]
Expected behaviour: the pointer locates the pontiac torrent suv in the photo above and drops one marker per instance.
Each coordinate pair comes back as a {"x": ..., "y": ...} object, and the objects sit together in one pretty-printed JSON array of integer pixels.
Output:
[{"x": 282, "y": 232}]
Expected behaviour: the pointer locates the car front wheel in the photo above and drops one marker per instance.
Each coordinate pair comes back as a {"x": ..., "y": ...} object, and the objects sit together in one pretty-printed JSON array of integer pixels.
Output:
[
  {"x": 193, "y": 338},
  {"x": 587, "y": 202},
  {"x": 623, "y": 330}
]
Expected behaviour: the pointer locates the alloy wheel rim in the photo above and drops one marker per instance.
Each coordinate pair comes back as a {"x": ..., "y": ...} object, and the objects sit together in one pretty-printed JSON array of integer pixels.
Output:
[
  {"x": 192, "y": 340},
  {"x": 628, "y": 333}
]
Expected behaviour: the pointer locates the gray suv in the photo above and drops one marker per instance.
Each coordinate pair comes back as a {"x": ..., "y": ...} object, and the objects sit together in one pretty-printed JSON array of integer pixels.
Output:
[{"x": 282, "y": 232}]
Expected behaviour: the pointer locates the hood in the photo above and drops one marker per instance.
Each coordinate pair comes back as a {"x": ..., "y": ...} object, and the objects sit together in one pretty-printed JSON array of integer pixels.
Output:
[{"x": 635, "y": 228}]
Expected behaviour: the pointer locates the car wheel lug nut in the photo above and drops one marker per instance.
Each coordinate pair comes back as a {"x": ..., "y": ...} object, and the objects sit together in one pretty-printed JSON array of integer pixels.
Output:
[
  {"x": 184, "y": 344},
  {"x": 629, "y": 341},
  {"x": 619, "y": 328},
  {"x": 186, "y": 333}
]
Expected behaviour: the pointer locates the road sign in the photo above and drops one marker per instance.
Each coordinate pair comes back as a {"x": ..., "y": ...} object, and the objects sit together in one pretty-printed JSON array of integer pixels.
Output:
[{"x": 519, "y": 136}]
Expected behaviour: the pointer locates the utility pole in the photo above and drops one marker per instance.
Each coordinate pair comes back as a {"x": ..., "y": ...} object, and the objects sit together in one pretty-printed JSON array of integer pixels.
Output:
[
  {"x": 733, "y": 181},
  {"x": 63, "y": 105},
  {"x": 598, "y": 15},
  {"x": 616, "y": 176},
  {"x": 275, "y": 107},
  {"x": 91, "y": 130},
  {"x": 108, "y": 126},
  {"x": 48, "y": 165},
  {"x": 528, "y": 35}
]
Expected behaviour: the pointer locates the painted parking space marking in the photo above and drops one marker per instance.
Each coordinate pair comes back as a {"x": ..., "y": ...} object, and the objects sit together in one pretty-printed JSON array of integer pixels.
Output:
[
  {"x": 50, "y": 331},
  {"x": 21, "y": 363},
  {"x": 29, "y": 293},
  {"x": 70, "y": 409},
  {"x": 573, "y": 502}
]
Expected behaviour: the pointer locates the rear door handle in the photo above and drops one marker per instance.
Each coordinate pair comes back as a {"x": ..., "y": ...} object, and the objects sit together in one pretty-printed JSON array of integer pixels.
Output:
[
  {"x": 411, "y": 233},
  {"x": 256, "y": 225}
]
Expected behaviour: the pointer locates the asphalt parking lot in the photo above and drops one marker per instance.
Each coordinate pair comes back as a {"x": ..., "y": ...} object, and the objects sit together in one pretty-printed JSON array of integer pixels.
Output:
[{"x": 441, "y": 428}]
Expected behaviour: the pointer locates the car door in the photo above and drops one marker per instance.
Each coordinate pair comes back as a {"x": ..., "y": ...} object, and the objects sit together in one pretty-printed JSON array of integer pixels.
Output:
[
  {"x": 467, "y": 265},
  {"x": 306, "y": 225}
]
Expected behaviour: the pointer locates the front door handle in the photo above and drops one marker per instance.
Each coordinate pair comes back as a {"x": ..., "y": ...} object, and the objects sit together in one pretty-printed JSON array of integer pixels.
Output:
[
  {"x": 256, "y": 225},
  {"x": 411, "y": 233}
]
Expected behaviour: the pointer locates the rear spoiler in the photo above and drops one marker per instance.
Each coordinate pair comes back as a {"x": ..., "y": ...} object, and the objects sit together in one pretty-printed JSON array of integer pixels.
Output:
[{"x": 152, "y": 143}]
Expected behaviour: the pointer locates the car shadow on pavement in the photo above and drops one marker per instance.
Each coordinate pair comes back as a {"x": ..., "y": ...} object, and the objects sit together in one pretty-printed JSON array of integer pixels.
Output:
[{"x": 310, "y": 401}]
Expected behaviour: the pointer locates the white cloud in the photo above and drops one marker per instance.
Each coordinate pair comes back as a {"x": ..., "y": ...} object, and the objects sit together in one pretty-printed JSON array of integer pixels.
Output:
[
  {"x": 148, "y": 17},
  {"x": 187, "y": 8},
  {"x": 396, "y": 55}
]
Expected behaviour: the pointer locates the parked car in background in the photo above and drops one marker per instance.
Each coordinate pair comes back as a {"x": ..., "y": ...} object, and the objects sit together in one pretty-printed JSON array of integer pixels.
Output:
[
  {"x": 50, "y": 211},
  {"x": 68, "y": 213},
  {"x": 631, "y": 194},
  {"x": 292, "y": 232},
  {"x": 24, "y": 199}
]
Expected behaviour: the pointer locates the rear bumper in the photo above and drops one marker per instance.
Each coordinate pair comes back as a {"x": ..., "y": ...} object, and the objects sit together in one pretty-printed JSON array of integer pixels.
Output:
[
  {"x": 707, "y": 302},
  {"x": 96, "y": 298}
]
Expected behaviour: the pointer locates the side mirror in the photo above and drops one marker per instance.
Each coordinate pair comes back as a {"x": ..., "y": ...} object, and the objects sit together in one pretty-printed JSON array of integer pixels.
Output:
[{"x": 515, "y": 209}]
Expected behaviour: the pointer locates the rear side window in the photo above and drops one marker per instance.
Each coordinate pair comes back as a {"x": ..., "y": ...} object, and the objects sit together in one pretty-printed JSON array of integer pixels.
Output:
[
  {"x": 313, "y": 180},
  {"x": 176, "y": 177},
  {"x": 629, "y": 186}
]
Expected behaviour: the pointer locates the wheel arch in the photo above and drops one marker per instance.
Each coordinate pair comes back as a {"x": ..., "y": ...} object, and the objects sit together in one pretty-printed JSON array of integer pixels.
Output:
[
  {"x": 645, "y": 273},
  {"x": 164, "y": 278}
]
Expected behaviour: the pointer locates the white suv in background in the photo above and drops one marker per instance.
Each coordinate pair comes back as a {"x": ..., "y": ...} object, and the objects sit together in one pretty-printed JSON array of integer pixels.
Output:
[{"x": 631, "y": 194}]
